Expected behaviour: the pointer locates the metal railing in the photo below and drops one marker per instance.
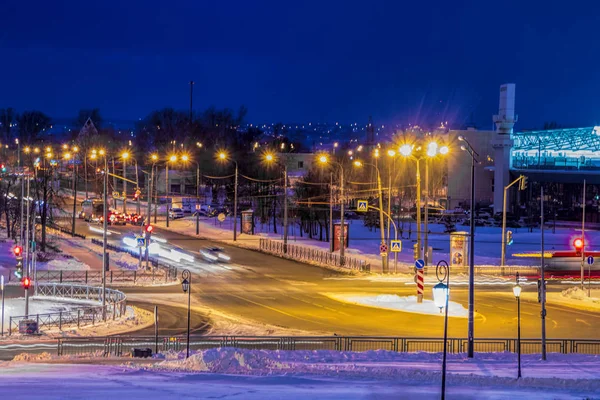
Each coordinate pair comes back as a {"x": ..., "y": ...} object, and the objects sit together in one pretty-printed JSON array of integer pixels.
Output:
[
  {"x": 116, "y": 305},
  {"x": 66, "y": 231},
  {"x": 92, "y": 277},
  {"x": 120, "y": 345},
  {"x": 170, "y": 271},
  {"x": 313, "y": 256}
]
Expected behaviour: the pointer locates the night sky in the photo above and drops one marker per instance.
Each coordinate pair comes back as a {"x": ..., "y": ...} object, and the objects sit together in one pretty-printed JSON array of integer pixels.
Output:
[{"x": 300, "y": 61}]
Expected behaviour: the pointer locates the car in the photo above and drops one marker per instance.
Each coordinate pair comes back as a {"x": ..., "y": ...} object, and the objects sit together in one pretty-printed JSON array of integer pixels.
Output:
[
  {"x": 115, "y": 218},
  {"x": 135, "y": 219},
  {"x": 175, "y": 213},
  {"x": 214, "y": 254}
]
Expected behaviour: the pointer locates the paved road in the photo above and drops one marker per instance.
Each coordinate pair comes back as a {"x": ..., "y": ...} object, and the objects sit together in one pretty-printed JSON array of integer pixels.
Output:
[{"x": 288, "y": 294}]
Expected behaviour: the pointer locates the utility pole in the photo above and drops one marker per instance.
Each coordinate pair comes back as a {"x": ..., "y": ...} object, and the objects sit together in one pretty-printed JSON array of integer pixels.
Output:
[
  {"x": 583, "y": 235},
  {"x": 418, "y": 209},
  {"x": 124, "y": 184},
  {"x": 331, "y": 212},
  {"x": 342, "y": 227},
  {"x": 235, "y": 192},
  {"x": 114, "y": 183},
  {"x": 384, "y": 259},
  {"x": 74, "y": 195},
  {"x": 285, "y": 209},
  {"x": 26, "y": 273},
  {"x": 426, "y": 241},
  {"x": 543, "y": 282},
  {"x": 104, "y": 234},
  {"x": 167, "y": 190},
  {"x": 522, "y": 181}
]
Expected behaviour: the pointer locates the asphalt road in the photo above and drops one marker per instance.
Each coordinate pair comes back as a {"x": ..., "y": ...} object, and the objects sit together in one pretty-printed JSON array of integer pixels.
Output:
[{"x": 287, "y": 294}]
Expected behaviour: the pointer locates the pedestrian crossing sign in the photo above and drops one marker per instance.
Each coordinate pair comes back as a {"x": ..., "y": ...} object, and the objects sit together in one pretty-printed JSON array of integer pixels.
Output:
[
  {"x": 396, "y": 246},
  {"x": 362, "y": 205}
]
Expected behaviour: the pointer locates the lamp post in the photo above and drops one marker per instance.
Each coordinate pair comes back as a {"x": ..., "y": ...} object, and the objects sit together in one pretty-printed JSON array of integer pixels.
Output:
[
  {"x": 441, "y": 294},
  {"x": 154, "y": 158},
  {"x": 186, "y": 285},
  {"x": 270, "y": 158},
  {"x": 384, "y": 259},
  {"x": 104, "y": 230},
  {"x": 517, "y": 293},
  {"x": 223, "y": 156},
  {"x": 471, "y": 323},
  {"x": 325, "y": 160},
  {"x": 172, "y": 158},
  {"x": 185, "y": 158}
]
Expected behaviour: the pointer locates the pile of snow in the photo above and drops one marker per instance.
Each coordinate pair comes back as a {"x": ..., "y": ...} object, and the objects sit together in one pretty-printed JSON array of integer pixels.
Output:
[
  {"x": 400, "y": 303},
  {"x": 64, "y": 264}
]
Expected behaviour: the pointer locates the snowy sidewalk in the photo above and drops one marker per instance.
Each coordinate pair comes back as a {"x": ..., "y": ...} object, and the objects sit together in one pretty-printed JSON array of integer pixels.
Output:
[{"x": 252, "y": 374}]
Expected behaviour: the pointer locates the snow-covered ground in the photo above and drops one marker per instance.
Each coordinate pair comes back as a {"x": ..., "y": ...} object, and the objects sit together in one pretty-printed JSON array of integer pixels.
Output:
[
  {"x": 399, "y": 303},
  {"x": 252, "y": 375},
  {"x": 40, "y": 305}
]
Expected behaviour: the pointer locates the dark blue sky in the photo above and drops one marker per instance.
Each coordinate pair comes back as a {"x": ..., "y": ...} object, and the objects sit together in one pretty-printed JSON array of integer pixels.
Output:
[{"x": 295, "y": 61}]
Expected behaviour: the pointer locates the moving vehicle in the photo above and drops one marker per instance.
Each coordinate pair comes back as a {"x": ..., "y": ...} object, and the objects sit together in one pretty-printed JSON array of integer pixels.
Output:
[
  {"x": 91, "y": 210},
  {"x": 214, "y": 254},
  {"x": 175, "y": 213}
]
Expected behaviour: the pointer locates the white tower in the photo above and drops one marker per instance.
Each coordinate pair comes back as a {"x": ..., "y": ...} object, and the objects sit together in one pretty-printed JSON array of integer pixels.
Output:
[{"x": 502, "y": 142}]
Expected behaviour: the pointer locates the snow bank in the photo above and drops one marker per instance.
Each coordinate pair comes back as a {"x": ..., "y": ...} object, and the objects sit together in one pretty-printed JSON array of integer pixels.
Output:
[
  {"x": 399, "y": 303},
  {"x": 64, "y": 264}
]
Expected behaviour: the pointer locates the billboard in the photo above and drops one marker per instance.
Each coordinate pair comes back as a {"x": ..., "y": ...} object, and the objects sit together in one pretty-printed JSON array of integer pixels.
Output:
[{"x": 337, "y": 235}]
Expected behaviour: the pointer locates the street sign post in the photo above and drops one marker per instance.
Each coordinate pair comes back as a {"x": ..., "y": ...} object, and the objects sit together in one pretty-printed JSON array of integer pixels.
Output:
[
  {"x": 141, "y": 241},
  {"x": 590, "y": 260},
  {"x": 419, "y": 264},
  {"x": 396, "y": 246},
  {"x": 383, "y": 248},
  {"x": 221, "y": 217},
  {"x": 362, "y": 205},
  {"x": 115, "y": 194}
]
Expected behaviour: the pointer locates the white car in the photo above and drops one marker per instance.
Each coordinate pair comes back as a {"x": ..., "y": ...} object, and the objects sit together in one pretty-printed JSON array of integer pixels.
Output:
[
  {"x": 175, "y": 213},
  {"x": 214, "y": 254}
]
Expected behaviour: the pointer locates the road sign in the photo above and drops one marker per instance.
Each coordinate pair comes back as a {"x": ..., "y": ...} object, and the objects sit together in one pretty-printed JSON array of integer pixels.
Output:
[
  {"x": 419, "y": 264},
  {"x": 221, "y": 217},
  {"x": 396, "y": 246},
  {"x": 590, "y": 260},
  {"x": 141, "y": 242},
  {"x": 383, "y": 248},
  {"x": 115, "y": 194},
  {"x": 362, "y": 205}
]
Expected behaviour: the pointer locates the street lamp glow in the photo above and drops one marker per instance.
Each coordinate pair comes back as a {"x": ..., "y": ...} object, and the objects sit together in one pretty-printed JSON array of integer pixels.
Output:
[
  {"x": 36, "y": 150},
  {"x": 336, "y": 144},
  {"x": 440, "y": 295},
  {"x": 67, "y": 156},
  {"x": 101, "y": 152},
  {"x": 27, "y": 150},
  {"x": 173, "y": 158},
  {"x": 199, "y": 144},
  {"x": 391, "y": 152},
  {"x": 405, "y": 150},
  {"x": 432, "y": 149},
  {"x": 376, "y": 153},
  {"x": 461, "y": 138},
  {"x": 75, "y": 149},
  {"x": 185, "y": 158},
  {"x": 48, "y": 155},
  {"x": 350, "y": 152},
  {"x": 360, "y": 148},
  {"x": 444, "y": 150},
  {"x": 358, "y": 163},
  {"x": 222, "y": 156},
  {"x": 269, "y": 157},
  {"x": 65, "y": 146},
  {"x": 323, "y": 160},
  {"x": 517, "y": 290},
  {"x": 48, "y": 149},
  {"x": 154, "y": 157},
  {"x": 125, "y": 155},
  {"x": 94, "y": 156}
]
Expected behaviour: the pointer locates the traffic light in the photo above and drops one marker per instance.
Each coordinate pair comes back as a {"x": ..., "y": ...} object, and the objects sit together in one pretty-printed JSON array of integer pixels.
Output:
[
  {"x": 18, "y": 252},
  {"x": 523, "y": 183},
  {"x": 578, "y": 244},
  {"x": 26, "y": 282},
  {"x": 509, "y": 238},
  {"x": 3, "y": 167},
  {"x": 136, "y": 195}
]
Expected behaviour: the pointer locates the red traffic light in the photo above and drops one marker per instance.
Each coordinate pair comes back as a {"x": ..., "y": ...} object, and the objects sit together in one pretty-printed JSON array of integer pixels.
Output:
[
  {"x": 18, "y": 250},
  {"x": 578, "y": 244},
  {"x": 26, "y": 282},
  {"x": 149, "y": 228}
]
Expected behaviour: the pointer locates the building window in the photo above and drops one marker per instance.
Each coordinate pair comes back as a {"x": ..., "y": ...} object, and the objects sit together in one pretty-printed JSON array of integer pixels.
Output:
[
  {"x": 300, "y": 164},
  {"x": 175, "y": 188}
]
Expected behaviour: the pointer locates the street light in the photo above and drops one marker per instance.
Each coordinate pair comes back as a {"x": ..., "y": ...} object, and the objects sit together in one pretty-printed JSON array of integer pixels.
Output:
[
  {"x": 125, "y": 157},
  {"x": 441, "y": 294},
  {"x": 172, "y": 158},
  {"x": 384, "y": 259},
  {"x": 186, "y": 285},
  {"x": 471, "y": 324},
  {"x": 323, "y": 159},
  {"x": 517, "y": 293},
  {"x": 223, "y": 157},
  {"x": 186, "y": 158},
  {"x": 270, "y": 158}
]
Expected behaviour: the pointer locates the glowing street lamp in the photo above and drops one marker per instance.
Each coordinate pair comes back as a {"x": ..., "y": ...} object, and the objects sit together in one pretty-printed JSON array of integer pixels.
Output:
[
  {"x": 270, "y": 158},
  {"x": 223, "y": 157},
  {"x": 441, "y": 294}
]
